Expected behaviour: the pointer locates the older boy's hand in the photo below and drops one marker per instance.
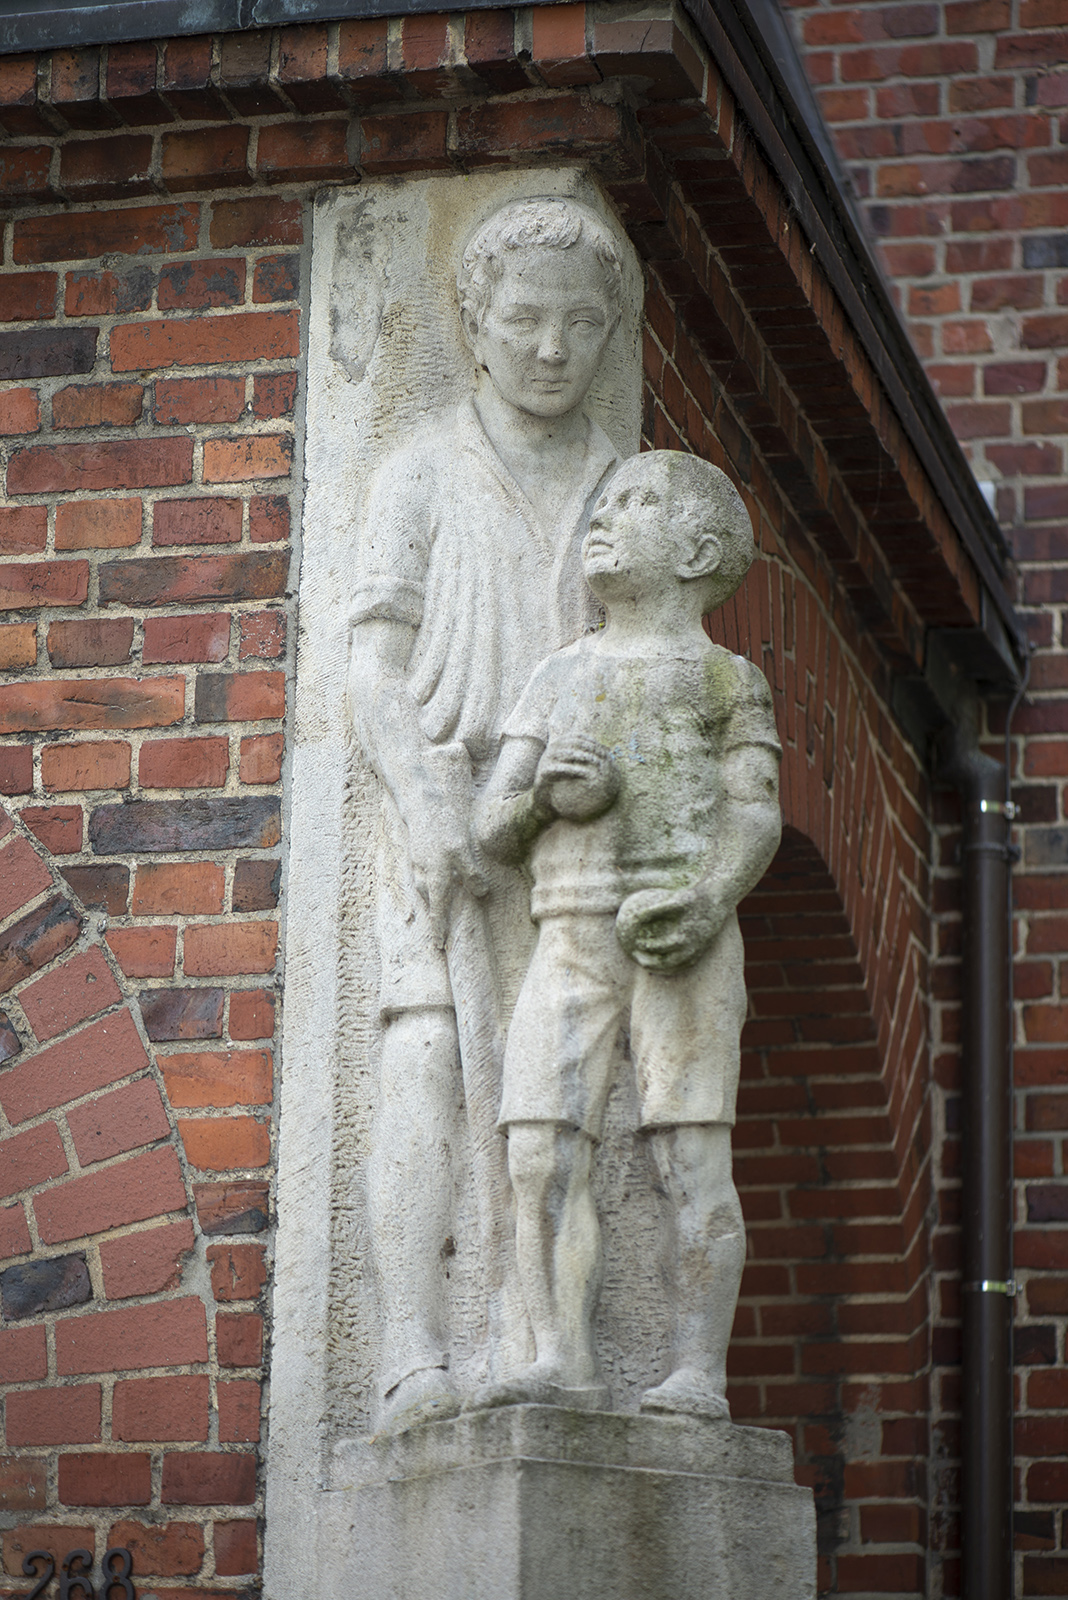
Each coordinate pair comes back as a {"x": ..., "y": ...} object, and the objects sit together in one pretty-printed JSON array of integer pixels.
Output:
[
  {"x": 666, "y": 932},
  {"x": 445, "y": 857},
  {"x": 576, "y": 778}
]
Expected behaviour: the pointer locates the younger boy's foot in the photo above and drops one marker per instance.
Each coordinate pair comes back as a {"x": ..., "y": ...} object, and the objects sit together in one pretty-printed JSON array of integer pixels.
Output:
[
  {"x": 540, "y": 1386},
  {"x": 690, "y": 1392},
  {"x": 423, "y": 1396}
]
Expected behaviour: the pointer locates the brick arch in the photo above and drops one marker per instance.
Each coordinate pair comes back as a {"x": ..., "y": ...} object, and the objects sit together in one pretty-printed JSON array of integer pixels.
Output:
[{"x": 830, "y": 1336}]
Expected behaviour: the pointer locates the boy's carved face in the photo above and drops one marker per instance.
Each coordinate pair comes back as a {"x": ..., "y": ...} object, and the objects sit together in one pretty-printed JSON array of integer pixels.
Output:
[
  {"x": 543, "y": 335},
  {"x": 643, "y": 536}
]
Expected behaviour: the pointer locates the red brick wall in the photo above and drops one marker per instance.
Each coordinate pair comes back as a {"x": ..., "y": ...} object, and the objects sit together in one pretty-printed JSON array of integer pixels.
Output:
[
  {"x": 952, "y": 118},
  {"x": 144, "y": 532},
  {"x": 152, "y": 275}
]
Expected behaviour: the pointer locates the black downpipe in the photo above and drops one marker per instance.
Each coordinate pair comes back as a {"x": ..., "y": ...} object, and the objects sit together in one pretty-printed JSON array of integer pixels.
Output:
[
  {"x": 987, "y": 1286},
  {"x": 987, "y": 1211}
]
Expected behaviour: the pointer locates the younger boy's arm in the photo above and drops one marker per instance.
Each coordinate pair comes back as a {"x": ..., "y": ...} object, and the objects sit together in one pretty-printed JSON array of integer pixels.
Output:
[
  {"x": 508, "y": 818},
  {"x": 533, "y": 784},
  {"x": 668, "y": 931}
]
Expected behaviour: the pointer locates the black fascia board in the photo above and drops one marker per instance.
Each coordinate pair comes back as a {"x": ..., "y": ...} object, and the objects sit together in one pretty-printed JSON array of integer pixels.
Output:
[
  {"x": 753, "y": 48},
  {"x": 27, "y": 25}
]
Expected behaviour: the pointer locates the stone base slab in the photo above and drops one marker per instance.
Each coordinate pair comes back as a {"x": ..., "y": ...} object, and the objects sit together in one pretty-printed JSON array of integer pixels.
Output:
[{"x": 538, "y": 1503}]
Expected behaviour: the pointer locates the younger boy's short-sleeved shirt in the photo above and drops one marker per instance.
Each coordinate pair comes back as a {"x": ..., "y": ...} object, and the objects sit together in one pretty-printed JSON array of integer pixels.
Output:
[{"x": 670, "y": 722}]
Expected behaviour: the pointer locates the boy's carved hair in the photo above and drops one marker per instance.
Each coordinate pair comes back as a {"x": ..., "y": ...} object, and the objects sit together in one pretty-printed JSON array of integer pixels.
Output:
[
  {"x": 706, "y": 499},
  {"x": 542, "y": 223}
]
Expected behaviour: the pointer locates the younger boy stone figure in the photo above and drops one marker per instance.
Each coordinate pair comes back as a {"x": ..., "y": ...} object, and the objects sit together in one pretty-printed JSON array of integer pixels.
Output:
[{"x": 639, "y": 773}]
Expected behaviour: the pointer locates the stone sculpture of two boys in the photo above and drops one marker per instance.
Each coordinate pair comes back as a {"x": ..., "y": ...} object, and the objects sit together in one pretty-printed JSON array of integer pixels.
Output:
[{"x": 618, "y": 785}]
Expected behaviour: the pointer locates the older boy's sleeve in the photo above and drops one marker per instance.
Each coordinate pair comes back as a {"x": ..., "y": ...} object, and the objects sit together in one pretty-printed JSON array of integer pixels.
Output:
[
  {"x": 752, "y": 716},
  {"x": 531, "y": 717},
  {"x": 394, "y": 545}
]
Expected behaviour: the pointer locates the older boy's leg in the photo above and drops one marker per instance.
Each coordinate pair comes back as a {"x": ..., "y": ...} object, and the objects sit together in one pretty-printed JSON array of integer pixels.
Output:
[
  {"x": 709, "y": 1239},
  {"x": 410, "y": 1197}
]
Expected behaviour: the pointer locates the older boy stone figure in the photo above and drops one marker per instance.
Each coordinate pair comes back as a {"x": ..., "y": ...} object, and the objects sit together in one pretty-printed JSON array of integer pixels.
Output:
[
  {"x": 639, "y": 772},
  {"x": 469, "y": 573}
]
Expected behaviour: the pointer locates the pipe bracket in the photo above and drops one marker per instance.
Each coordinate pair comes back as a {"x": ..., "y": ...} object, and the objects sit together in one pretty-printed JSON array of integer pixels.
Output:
[{"x": 1008, "y": 1287}]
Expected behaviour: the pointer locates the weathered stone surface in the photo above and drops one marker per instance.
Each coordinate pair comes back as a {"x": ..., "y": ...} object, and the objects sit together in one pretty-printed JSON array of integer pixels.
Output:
[
  {"x": 186, "y": 824},
  {"x": 182, "y": 1013},
  {"x": 535, "y": 1503},
  {"x": 48, "y": 1285},
  {"x": 36, "y": 939}
]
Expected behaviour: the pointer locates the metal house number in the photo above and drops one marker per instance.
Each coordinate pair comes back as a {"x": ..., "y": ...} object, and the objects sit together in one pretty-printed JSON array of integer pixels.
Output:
[{"x": 75, "y": 1581}]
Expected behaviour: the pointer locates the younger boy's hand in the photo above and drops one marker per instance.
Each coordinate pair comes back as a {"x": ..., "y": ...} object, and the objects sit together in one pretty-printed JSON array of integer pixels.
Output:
[
  {"x": 666, "y": 932},
  {"x": 576, "y": 778}
]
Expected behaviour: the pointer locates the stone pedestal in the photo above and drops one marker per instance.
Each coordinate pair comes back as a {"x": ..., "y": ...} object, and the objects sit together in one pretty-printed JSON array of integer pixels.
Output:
[{"x": 536, "y": 1503}]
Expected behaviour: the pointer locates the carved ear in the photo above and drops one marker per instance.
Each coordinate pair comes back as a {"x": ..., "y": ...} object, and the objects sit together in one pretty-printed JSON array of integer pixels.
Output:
[
  {"x": 706, "y": 557},
  {"x": 469, "y": 325}
]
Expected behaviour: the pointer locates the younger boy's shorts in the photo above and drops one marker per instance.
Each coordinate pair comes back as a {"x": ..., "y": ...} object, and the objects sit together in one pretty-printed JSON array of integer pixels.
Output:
[{"x": 582, "y": 989}]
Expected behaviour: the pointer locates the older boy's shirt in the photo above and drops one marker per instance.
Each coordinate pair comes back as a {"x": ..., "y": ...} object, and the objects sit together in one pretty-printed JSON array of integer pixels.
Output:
[
  {"x": 452, "y": 545},
  {"x": 669, "y": 722}
]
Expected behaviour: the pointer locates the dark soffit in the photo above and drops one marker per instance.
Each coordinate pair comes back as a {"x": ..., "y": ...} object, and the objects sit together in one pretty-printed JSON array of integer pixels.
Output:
[{"x": 754, "y": 49}]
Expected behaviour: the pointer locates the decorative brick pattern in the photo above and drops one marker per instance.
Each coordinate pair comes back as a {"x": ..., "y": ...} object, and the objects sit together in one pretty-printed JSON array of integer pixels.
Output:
[
  {"x": 96, "y": 1252},
  {"x": 950, "y": 120}
]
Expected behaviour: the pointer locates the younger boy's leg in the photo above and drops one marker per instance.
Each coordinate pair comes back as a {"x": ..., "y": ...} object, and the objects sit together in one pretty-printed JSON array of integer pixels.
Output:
[
  {"x": 558, "y": 1069},
  {"x": 709, "y": 1254},
  {"x": 558, "y": 1247}
]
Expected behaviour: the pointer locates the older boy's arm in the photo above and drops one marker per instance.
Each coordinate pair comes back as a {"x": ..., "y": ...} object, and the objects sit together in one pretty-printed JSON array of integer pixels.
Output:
[
  {"x": 509, "y": 818},
  {"x": 429, "y": 783},
  {"x": 667, "y": 931}
]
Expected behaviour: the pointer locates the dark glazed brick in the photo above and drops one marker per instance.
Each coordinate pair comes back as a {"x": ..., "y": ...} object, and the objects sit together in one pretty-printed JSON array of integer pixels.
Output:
[
  {"x": 92, "y": 643},
  {"x": 238, "y": 1207},
  {"x": 47, "y": 352},
  {"x": 27, "y": 296},
  {"x": 51, "y": 1285},
  {"x": 101, "y": 886},
  {"x": 182, "y": 1013},
  {"x": 1047, "y": 250},
  {"x": 276, "y": 278},
  {"x": 1047, "y": 1202},
  {"x": 16, "y": 769},
  {"x": 186, "y": 824},
  {"x": 1035, "y": 1346},
  {"x": 256, "y": 885},
  {"x": 162, "y": 580},
  {"x": 10, "y": 1044},
  {"x": 37, "y": 939}
]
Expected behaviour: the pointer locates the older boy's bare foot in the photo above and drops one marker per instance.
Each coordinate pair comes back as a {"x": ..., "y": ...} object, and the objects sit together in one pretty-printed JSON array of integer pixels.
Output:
[
  {"x": 424, "y": 1396},
  {"x": 540, "y": 1385},
  {"x": 689, "y": 1391}
]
